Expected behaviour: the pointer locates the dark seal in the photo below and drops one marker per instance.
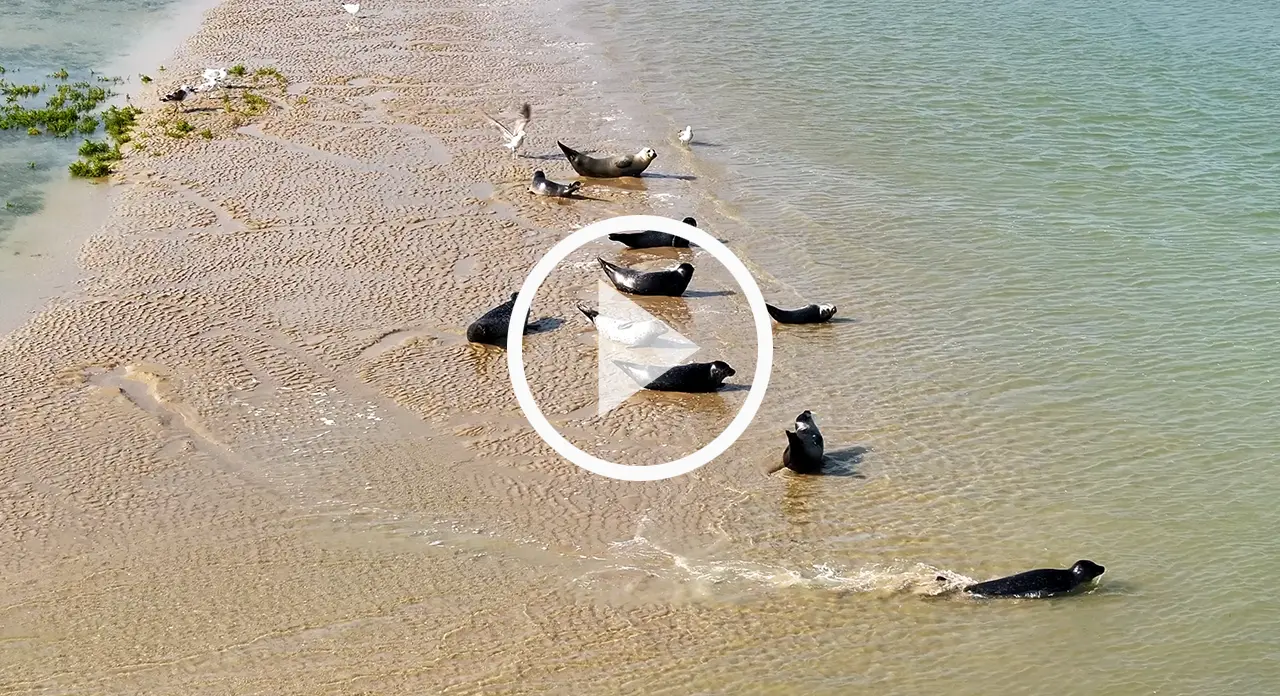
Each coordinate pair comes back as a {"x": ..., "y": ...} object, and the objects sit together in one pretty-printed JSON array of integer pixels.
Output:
[
  {"x": 491, "y": 328},
  {"x": 543, "y": 186},
  {"x": 810, "y": 314},
  {"x": 694, "y": 377},
  {"x": 803, "y": 454},
  {"x": 651, "y": 239},
  {"x": 608, "y": 167},
  {"x": 1040, "y": 583},
  {"x": 671, "y": 282}
]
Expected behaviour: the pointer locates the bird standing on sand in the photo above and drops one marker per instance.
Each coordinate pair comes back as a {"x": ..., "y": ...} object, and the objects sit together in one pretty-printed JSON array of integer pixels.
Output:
[
  {"x": 686, "y": 135},
  {"x": 514, "y": 136},
  {"x": 351, "y": 8},
  {"x": 212, "y": 78},
  {"x": 177, "y": 96}
]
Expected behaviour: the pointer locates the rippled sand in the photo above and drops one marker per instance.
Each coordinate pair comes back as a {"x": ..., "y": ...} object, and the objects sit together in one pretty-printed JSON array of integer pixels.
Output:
[{"x": 253, "y": 452}]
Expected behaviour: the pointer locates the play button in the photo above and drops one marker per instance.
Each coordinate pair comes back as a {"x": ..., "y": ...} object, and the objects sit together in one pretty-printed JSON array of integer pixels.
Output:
[
  {"x": 631, "y": 338},
  {"x": 627, "y": 335}
]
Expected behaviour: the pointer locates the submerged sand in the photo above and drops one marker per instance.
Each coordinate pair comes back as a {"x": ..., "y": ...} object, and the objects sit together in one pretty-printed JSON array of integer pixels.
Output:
[{"x": 252, "y": 451}]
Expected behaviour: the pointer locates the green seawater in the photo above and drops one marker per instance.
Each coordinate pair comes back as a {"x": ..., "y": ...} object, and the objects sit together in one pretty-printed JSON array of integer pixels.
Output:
[{"x": 1057, "y": 225}]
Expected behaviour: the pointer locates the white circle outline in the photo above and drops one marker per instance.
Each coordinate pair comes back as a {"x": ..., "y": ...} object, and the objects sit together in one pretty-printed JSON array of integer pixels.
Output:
[{"x": 515, "y": 348}]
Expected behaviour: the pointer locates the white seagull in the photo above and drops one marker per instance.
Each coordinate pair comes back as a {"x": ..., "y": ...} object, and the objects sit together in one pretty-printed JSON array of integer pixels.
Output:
[
  {"x": 212, "y": 78},
  {"x": 686, "y": 135},
  {"x": 514, "y": 135},
  {"x": 351, "y": 8},
  {"x": 628, "y": 333}
]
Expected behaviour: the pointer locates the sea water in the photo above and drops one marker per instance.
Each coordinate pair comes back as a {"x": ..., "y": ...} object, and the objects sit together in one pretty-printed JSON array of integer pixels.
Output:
[{"x": 1057, "y": 226}]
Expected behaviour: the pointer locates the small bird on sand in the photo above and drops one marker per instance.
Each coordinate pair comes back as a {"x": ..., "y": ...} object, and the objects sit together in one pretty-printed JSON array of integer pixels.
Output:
[
  {"x": 351, "y": 8},
  {"x": 686, "y": 135},
  {"x": 514, "y": 136},
  {"x": 212, "y": 78},
  {"x": 177, "y": 96}
]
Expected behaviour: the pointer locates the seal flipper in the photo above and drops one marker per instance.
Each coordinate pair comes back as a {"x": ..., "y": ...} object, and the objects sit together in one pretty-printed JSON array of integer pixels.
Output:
[
  {"x": 590, "y": 313},
  {"x": 777, "y": 313}
]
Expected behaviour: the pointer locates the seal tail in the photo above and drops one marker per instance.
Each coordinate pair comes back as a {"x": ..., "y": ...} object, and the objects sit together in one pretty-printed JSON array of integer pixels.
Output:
[
  {"x": 573, "y": 187},
  {"x": 775, "y": 312},
  {"x": 569, "y": 152},
  {"x": 590, "y": 313}
]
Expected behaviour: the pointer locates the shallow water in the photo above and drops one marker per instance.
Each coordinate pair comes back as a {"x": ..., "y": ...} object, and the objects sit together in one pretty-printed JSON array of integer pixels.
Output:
[{"x": 1056, "y": 229}]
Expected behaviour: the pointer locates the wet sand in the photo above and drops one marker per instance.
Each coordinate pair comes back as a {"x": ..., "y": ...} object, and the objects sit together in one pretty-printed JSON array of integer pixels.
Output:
[{"x": 251, "y": 449}]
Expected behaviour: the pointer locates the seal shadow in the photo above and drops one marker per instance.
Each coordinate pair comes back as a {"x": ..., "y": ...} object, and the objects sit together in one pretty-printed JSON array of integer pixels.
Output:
[
  {"x": 843, "y": 462},
  {"x": 704, "y": 143},
  {"x": 709, "y": 293},
  {"x": 841, "y": 320},
  {"x": 571, "y": 197},
  {"x": 678, "y": 177},
  {"x": 543, "y": 325},
  {"x": 726, "y": 388},
  {"x": 201, "y": 110}
]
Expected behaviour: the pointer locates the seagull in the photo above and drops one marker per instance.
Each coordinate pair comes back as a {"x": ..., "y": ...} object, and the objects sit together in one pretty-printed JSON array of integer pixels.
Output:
[
  {"x": 178, "y": 95},
  {"x": 351, "y": 8},
  {"x": 514, "y": 135},
  {"x": 212, "y": 77},
  {"x": 686, "y": 135}
]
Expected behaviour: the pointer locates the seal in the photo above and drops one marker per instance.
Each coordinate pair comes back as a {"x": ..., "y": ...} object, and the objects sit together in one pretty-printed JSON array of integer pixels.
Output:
[
  {"x": 670, "y": 282},
  {"x": 809, "y": 314},
  {"x": 491, "y": 327},
  {"x": 543, "y": 186},
  {"x": 1040, "y": 583},
  {"x": 803, "y": 454},
  {"x": 608, "y": 167},
  {"x": 650, "y": 239},
  {"x": 628, "y": 333},
  {"x": 693, "y": 377}
]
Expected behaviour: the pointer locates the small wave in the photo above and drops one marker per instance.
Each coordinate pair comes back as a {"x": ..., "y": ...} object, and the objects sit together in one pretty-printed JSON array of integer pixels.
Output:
[{"x": 639, "y": 554}]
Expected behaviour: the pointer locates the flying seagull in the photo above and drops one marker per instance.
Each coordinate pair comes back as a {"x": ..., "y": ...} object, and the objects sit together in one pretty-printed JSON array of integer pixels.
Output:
[
  {"x": 686, "y": 135},
  {"x": 177, "y": 96},
  {"x": 515, "y": 135}
]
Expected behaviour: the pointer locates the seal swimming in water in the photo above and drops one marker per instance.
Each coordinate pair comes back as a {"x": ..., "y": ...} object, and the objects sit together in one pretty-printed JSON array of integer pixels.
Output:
[
  {"x": 628, "y": 333},
  {"x": 803, "y": 454},
  {"x": 543, "y": 186},
  {"x": 650, "y": 239},
  {"x": 608, "y": 167},
  {"x": 809, "y": 314},
  {"x": 491, "y": 327},
  {"x": 670, "y": 282},
  {"x": 693, "y": 377},
  {"x": 1040, "y": 583}
]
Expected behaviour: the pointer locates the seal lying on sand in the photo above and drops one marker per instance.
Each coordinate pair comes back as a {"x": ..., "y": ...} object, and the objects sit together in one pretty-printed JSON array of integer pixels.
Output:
[
  {"x": 609, "y": 167},
  {"x": 629, "y": 333},
  {"x": 809, "y": 314},
  {"x": 543, "y": 186},
  {"x": 491, "y": 328},
  {"x": 670, "y": 282},
  {"x": 1040, "y": 583},
  {"x": 650, "y": 239},
  {"x": 803, "y": 454},
  {"x": 694, "y": 377}
]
